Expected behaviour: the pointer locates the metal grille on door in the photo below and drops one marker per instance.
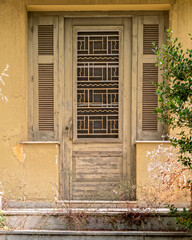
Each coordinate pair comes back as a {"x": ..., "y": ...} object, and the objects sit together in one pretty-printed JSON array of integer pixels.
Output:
[{"x": 98, "y": 84}]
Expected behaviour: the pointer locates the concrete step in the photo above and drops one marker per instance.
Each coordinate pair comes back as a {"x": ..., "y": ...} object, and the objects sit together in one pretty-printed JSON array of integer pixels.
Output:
[
  {"x": 70, "y": 204},
  {"x": 91, "y": 219},
  {"x": 92, "y": 235}
]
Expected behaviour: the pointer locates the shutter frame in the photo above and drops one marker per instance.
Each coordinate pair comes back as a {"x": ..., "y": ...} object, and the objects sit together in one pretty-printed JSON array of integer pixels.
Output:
[
  {"x": 44, "y": 69},
  {"x": 148, "y": 127}
]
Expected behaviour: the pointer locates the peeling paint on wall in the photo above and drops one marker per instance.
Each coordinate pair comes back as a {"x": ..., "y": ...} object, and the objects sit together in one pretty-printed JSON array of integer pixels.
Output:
[
  {"x": 18, "y": 152},
  {"x": 56, "y": 156}
]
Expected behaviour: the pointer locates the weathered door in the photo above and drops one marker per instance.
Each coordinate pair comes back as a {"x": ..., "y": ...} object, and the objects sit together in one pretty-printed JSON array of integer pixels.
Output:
[{"x": 97, "y": 113}]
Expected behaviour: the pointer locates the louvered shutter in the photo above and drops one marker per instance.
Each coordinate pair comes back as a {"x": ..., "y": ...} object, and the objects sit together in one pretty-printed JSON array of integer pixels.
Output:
[
  {"x": 150, "y": 30},
  {"x": 45, "y": 74}
]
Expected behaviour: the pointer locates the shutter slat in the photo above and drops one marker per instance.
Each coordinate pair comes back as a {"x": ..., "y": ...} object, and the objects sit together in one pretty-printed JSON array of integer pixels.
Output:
[
  {"x": 150, "y": 102},
  {"x": 45, "y": 40},
  {"x": 150, "y": 35},
  {"x": 46, "y": 97},
  {"x": 46, "y": 79}
]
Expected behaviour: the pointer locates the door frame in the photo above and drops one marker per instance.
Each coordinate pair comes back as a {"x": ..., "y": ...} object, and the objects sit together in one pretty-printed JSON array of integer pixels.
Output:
[
  {"x": 66, "y": 150},
  {"x": 62, "y": 16}
]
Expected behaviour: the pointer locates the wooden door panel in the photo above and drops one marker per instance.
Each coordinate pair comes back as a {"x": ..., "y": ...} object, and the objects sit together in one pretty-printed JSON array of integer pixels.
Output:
[
  {"x": 94, "y": 191},
  {"x": 96, "y": 138},
  {"x": 97, "y": 166}
]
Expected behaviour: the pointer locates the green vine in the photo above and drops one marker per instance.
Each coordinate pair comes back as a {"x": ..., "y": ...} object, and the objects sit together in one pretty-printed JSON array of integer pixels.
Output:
[
  {"x": 175, "y": 94},
  {"x": 175, "y": 110},
  {"x": 2, "y": 221}
]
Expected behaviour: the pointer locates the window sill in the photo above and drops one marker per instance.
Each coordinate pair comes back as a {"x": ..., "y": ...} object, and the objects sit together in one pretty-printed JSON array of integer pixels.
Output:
[
  {"x": 40, "y": 142},
  {"x": 152, "y": 141}
]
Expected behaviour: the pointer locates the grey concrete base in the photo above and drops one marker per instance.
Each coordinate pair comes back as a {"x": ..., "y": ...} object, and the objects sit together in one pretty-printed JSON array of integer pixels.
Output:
[
  {"x": 70, "y": 204},
  {"x": 92, "y": 235},
  {"x": 78, "y": 204},
  {"x": 92, "y": 219}
]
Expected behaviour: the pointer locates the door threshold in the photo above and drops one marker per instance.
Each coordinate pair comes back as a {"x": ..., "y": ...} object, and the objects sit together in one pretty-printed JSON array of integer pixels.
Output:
[
  {"x": 96, "y": 204},
  {"x": 13, "y": 204}
]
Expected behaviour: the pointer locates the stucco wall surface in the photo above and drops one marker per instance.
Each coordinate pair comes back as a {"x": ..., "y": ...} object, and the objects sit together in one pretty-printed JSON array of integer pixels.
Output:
[
  {"x": 149, "y": 188},
  {"x": 30, "y": 171}
]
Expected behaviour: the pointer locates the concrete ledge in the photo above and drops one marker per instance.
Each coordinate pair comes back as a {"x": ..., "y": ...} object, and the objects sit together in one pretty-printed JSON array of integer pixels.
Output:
[
  {"x": 92, "y": 220},
  {"x": 94, "y": 233},
  {"x": 62, "y": 211},
  {"x": 40, "y": 142},
  {"x": 157, "y": 141},
  {"x": 66, "y": 204}
]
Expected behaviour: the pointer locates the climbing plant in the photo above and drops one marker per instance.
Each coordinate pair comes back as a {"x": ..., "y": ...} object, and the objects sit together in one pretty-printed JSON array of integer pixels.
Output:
[
  {"x": 175, "y": 94},
  {"x": 175, "y": 107}
]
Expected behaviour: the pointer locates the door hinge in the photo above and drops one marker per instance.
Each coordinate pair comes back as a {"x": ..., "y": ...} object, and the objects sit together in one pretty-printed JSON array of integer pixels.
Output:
[
  {"x": 32, "y": 29},
  {"x": 31, "y": 78}
]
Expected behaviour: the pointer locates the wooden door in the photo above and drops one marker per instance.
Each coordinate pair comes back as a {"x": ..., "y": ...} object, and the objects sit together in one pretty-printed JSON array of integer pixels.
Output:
[{"x": 97, "y": 103}]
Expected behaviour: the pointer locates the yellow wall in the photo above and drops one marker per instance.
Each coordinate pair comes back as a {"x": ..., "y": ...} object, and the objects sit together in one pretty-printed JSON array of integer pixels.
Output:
[
  {"x": 150, "y": 189},
  {"x": 35, "y": 172},
  {"x": 30, "y": 172}
]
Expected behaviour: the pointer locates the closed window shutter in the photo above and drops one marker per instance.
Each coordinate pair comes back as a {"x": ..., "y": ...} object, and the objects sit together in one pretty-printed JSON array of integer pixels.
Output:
[
  {"x": 45, "y": 72},
  {"x": 150, "y": 102},
  {"x": 46, "y": 97},
  {"x": 150, "y": 30},
  {"x": 150, "y": 35}
]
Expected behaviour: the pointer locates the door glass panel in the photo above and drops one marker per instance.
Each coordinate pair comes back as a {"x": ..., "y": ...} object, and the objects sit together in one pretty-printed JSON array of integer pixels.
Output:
[{"x": 97, "y": 84}]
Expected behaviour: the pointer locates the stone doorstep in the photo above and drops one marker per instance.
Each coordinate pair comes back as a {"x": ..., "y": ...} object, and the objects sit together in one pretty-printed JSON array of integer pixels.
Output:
[
  {"x": 99, "y": 211},
  {"x": 70, "y": 204},
  {"x": 91, "y": 220},
  {"x": 77, "y": 204},
  {"x": 95, "y": 233}
]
